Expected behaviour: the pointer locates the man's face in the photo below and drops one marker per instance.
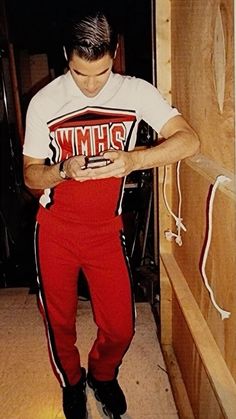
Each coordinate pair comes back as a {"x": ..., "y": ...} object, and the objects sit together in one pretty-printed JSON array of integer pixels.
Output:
[{"x": 90, "y": 76}]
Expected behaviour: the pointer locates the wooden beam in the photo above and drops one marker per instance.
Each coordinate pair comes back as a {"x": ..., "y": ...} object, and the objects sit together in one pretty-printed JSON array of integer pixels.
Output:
[
  {"x": 179, "y": 391},
  {"x": 163, "y": 70},
  {"x": 209, "y": 169},
  {"x": 220, "y": 378},
  {"x": 163, "y": 43},
  {"x": 16, "y": 96},
  {"x": 165, "y": 307}
]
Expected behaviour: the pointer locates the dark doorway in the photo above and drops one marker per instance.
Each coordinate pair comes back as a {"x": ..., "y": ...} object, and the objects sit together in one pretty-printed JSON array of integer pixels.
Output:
[{"x": 33, "y": 27}]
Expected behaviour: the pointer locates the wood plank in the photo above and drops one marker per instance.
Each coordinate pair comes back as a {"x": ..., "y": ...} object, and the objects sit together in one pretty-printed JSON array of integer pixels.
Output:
[
  {"x": 200, "y": 392},
  {"x": 209, "y": 169},
  {"x": 177, "y": 384},
  {"x": 165, "y": 219},
  {"x": 218, "y": 373},
  {"x": 163, "y": 43},
  {"x": 202, "y": 64},
  {"x": 163, "y": 70},
  {"x": 165, "y": 307},
  {"x": 15, "y": 92}
]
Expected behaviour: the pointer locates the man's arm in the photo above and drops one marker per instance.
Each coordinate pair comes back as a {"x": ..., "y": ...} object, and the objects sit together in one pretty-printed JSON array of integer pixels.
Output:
[
  {"x": 180, "y": 141},
  {"x": 37, "y": 175}
]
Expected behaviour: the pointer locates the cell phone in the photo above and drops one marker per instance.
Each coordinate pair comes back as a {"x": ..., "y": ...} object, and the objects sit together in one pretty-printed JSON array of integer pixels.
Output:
[{"x": 94, "y": 162}]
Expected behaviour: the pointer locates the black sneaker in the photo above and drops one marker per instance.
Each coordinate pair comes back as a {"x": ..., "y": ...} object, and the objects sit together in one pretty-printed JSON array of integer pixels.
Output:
[
  {"x": 74, "y": 399},
  {"x": 109, "y": 394}
]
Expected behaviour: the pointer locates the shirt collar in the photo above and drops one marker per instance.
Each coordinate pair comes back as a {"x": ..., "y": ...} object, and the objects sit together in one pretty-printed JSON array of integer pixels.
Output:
[{"x": 74, "y": 90}]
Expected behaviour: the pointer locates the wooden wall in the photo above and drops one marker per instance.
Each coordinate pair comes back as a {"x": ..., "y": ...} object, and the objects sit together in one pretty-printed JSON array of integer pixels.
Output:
[{"x": 202, "y": 88}]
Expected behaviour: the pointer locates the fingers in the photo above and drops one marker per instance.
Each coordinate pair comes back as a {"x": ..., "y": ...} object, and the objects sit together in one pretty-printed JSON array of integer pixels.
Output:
[
  {"x": 121, "y": 165},
  {"x": 75, "y": 169},
  {"x": 111, "y": 155}
]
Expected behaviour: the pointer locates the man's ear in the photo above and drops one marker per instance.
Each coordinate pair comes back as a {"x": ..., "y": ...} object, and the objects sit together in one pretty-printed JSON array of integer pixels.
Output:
[{"x": 65, "y": 53}]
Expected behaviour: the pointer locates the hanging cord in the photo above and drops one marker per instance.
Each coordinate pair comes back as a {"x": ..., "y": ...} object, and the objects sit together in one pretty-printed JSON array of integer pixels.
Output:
[
  {"x": 220, "y": 179},
  {"x": 169, "y": 235}
]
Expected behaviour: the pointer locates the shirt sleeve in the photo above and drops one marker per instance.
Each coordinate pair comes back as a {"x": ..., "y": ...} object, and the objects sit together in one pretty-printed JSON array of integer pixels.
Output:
[
  {"x": 153, "y": 108},
  {"x": 36, "y": 141}
]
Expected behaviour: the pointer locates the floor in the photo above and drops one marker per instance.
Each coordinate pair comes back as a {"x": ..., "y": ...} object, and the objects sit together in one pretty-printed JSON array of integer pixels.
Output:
[{"x": 28, "y": 389}]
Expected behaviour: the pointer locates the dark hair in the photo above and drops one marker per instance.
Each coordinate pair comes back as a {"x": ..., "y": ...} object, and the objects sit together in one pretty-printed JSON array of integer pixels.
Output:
[{"x": 90, "y": 36}]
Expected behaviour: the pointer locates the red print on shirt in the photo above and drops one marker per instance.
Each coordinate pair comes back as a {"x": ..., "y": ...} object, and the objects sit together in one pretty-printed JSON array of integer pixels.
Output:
[{"x": 90, "y": 131}]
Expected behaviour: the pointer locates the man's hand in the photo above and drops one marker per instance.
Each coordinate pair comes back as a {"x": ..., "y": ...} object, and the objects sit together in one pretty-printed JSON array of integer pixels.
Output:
[
  {"x": 74, "y": 168},
  {"x": 122, "y": 163}
]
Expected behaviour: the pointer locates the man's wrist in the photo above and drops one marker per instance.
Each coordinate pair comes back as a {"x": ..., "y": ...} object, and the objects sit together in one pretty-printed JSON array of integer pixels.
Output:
[{"x": 136, "y": 157}]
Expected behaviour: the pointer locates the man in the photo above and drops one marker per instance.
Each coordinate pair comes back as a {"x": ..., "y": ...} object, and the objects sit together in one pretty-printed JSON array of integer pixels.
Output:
[{"x": 90, "y": 111}]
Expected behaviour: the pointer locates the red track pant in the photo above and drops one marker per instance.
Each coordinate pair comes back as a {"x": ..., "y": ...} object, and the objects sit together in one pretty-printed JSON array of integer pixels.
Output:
[{"x": 62, "y": 249}]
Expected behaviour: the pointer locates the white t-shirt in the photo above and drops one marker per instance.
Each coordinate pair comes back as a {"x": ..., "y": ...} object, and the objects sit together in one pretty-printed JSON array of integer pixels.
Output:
[{"x": 61, "y": 122}]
